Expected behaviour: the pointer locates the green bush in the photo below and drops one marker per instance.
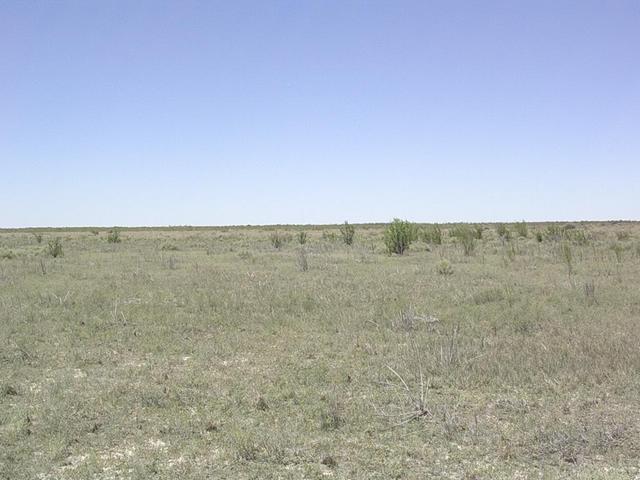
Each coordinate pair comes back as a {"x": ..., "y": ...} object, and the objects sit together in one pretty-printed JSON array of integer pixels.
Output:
[
  {"x": 38, "y": 237},
  {"x": 399, "y": 235},
  {"x": 54, "y": 248},
  {"x": 302, "y": 237},
  {"x": 432, "y": 234},
  {"x": 348, "y": 232},
  {"x": 114, "y": 236}
]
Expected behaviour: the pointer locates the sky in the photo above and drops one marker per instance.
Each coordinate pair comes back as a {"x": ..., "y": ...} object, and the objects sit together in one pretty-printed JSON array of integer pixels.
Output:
[{"x": 271, "y": 112}]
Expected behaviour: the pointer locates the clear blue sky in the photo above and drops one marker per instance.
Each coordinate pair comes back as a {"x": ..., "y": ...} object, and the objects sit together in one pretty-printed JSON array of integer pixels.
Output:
[{"x": 209, "y": 113}]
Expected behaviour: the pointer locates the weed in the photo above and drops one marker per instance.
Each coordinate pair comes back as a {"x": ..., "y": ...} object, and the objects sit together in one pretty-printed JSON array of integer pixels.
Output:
[
  {"x": 302, "y": 237},
  {"x": 444, "y": 267}
]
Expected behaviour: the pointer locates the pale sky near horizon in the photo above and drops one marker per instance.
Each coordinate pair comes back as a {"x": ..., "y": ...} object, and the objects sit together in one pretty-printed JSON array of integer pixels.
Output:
[{"x": 259, "y": 112}]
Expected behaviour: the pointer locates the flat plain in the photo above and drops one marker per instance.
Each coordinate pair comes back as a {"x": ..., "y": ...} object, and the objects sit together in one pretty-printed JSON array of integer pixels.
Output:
[{"x": 210, "y": 353}]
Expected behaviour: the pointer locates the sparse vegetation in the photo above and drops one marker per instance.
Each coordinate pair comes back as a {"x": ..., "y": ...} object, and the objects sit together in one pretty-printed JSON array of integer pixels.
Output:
[
  {"x": 222, "y": 358},
  {"x": 302, "y": 237}
]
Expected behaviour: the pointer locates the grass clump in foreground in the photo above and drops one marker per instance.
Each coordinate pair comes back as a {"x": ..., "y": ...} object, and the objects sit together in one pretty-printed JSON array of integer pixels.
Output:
[{"x": 222, "y": 359}]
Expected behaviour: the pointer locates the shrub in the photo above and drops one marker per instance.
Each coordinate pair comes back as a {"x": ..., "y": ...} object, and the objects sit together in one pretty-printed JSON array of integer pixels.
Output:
[
  {"x": 329, "y": 236},
  {"x": 624, "y": 235},
  {"x": 302, "y": 237},
  {"x": 477, "y": 230},
  {"x": 54, "y": 248},
  {"x": 503, "y": 232},
  {"x": 277, "y": 240},
  {"x": 9, "y": 255},
  {"x": 444, "y": 267},
  {"x": 348, "y": 232},
  {"x": 169, "y": 247},
  {"x": 399, "y": 235},
  {"x": 433, "y": 234},
  {"x": 521, "y": 229},
  {"x": 539, "y": 236},
  {"x": 466, "y": 235},
  {"x": 114, "y": 236},
  {"x": 554, "y": 233},
  {"x": 38, "y": 237}
]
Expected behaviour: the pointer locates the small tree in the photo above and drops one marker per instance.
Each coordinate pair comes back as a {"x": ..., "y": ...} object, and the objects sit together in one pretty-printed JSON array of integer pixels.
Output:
[
  {"x": 348, "y": 232},
  {"x": 399, "y": 235}
]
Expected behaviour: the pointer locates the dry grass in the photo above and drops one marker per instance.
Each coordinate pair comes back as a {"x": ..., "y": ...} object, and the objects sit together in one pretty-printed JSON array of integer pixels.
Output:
[{"x": 224, "y": 357}]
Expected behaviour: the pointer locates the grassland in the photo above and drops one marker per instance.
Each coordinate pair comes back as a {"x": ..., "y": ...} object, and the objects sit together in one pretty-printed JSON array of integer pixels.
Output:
[{"x": 208, "y": 353}]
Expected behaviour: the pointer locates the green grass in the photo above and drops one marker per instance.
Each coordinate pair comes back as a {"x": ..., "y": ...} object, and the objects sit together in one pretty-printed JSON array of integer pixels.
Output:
[{"x": 223, "y": 358}]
